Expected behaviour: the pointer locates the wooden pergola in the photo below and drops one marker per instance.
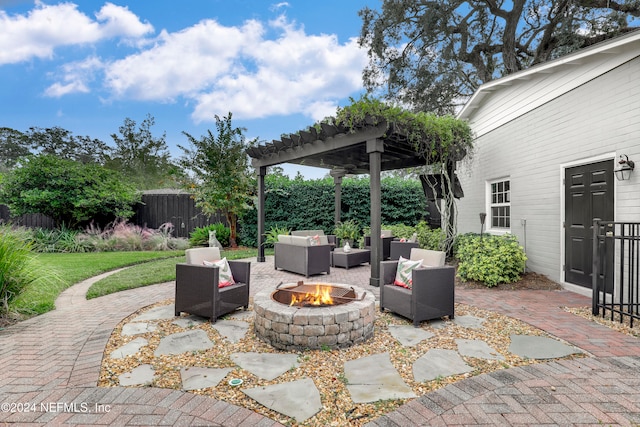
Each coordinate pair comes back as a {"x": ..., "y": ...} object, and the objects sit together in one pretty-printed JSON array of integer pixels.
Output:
[{"x": 369, "y": 149}]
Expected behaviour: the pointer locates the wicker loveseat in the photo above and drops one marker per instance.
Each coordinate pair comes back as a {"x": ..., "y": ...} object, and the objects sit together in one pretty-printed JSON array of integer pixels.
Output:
[{"x": 302, "y": 254}]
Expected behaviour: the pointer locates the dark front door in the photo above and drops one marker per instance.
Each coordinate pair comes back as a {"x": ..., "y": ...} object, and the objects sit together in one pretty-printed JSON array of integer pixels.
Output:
[{"x": 588, "y": 196}]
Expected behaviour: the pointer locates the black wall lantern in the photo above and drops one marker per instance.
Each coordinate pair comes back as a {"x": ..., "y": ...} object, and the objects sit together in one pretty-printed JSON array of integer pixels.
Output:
[{"x": 624, "y": 169}]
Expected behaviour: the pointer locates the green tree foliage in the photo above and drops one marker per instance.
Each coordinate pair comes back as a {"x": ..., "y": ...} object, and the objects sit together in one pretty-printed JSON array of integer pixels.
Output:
[
  {"x": 13, "y": 146},
  {"x": 432, "y": 55},
  {"x": 143, "y": 158},
  {"x": 70, "y": 192},
  {"x": 220, "y": 178},
  {"x": 59, "y": 142}
]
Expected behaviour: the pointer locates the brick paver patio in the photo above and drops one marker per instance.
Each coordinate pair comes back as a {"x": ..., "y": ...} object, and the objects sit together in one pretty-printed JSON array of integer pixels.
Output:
[{"x": 52, "y": 362}]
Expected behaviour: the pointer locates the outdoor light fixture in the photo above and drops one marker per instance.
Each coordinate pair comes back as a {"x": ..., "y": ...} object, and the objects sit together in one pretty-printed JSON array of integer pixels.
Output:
[
  {"x": 483, "y": 217},
  {"x": 626, "y": 166}
]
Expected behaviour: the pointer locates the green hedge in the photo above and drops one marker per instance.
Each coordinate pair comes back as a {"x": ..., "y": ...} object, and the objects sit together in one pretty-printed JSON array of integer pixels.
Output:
[{"x": 299, "y": 204}]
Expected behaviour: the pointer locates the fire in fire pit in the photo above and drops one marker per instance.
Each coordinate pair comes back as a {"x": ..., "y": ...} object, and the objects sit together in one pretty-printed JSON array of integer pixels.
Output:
[{"x": 318, "y": 295}]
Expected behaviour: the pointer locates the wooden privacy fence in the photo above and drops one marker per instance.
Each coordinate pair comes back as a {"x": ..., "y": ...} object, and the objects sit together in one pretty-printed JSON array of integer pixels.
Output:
[
  {"x": 177, "y": 208},
  {"x": 157, "y": 208}
]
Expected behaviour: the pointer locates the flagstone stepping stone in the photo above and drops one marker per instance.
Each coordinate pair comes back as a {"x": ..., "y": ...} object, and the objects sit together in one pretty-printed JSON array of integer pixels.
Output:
[
  {"x": 189, "y": 321},
  {"x": 437, "y": 363},
  {"x": 137, "y": 328},
  {"x": 535, "y": 347},
  {"x": 183, "y": 342},
  {"x": 477, "y": 348},
  {"x": 408, "y": 335},
  {"x": 374, "y": 378},
  {"x": 265, "y": 365},
  {"x": 129, "y": 349},
  {"x": 157, "y": 313},
  {"x": 231, "y": 330},
  {"x": 471, "y": 322},
  {"x": 142, "y": 375},
  {"x": 195, "y": 378},
  {"x": 297, "y": 399}
]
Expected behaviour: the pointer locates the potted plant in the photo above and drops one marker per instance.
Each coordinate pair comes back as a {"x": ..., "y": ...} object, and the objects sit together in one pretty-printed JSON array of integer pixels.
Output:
[{"x": 347, "y": 231}]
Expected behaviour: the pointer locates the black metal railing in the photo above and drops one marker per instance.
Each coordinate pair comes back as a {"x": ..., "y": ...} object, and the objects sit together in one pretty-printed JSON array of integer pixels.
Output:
[{"x": 616, "y": 270}]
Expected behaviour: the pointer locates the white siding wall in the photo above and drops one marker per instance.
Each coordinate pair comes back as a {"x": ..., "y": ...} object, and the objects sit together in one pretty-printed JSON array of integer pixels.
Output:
[{"x": 595, "y": 119}]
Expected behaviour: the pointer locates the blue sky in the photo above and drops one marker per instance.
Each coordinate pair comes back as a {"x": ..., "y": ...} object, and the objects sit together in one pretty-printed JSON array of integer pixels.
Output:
[{"x": 86, "y": 65}]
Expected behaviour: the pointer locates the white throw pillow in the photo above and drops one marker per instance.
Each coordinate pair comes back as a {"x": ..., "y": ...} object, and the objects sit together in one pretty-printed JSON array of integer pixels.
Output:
[
  {"x": 224, "y": 275},
  {"x": 404, "y": 272}
]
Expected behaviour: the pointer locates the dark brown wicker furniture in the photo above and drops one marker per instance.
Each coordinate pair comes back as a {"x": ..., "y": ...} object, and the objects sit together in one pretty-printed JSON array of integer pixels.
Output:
[
  {"x": 401, "y": 249},
  {"x": 297, "y": 255},
  {"x": 197, "y": 290},
  {"x": 432, "y": 294},
  {"x": 353, "y": 258}
]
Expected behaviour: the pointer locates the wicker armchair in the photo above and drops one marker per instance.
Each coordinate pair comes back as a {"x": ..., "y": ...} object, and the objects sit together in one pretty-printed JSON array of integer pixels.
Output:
[
  {"x": 197, "y": 290},
  {"x": 432, "y": 293}
]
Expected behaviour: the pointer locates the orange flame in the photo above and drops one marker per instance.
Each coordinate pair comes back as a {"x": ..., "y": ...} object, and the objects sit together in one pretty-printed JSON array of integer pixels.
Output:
[{"x": 322, "y": 296}]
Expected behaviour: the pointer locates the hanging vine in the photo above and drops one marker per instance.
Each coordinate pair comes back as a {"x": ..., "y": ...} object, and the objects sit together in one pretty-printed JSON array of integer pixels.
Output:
[{"x": 441, "y": 140}]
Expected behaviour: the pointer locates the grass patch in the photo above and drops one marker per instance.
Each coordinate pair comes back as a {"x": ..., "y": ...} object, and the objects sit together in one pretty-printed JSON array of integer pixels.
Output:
[
  {"x": 151, "y": 273},
  {"x": 73, "y": 268}
]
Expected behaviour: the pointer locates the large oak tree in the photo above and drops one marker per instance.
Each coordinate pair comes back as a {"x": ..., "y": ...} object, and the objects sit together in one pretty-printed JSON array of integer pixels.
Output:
[{"x": 433, "y": 54}]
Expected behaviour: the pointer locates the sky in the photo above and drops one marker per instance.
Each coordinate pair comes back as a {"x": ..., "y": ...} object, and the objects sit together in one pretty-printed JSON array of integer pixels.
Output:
[{"x": 86, "y": 65}]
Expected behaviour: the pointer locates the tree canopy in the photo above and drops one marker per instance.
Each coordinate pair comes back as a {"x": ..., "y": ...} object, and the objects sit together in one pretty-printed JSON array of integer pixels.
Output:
[
  {"x": 142, "y": 157},
  {"x": 70, "y": 192},
  {"x": 433, "y": 55},
  {"x": 219, "y": 171}
]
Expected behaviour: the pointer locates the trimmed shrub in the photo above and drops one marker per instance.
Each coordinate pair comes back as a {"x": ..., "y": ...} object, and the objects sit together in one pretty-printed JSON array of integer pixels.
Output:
[{"x": 490, "y": 259}]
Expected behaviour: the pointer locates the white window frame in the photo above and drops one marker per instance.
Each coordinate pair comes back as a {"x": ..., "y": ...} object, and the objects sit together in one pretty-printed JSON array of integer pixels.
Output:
[{"x": 499, "y": 202}]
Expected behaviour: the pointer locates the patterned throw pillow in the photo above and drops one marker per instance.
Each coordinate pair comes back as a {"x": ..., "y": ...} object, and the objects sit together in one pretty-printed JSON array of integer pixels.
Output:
[
  {"x": 224, "y": 275},
  {"x": 404, "y": 272},
  {"x": 314, "y": 240}
]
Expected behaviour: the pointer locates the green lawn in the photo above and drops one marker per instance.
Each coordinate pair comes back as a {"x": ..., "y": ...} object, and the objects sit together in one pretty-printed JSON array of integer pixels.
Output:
[
  {"x": 145, "y": 268},
  {"x": 150, "y": 273}
]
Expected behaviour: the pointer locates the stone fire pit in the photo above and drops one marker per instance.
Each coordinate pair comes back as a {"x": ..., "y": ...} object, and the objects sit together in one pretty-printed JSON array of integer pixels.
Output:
[{"x": 298, "y": 328}]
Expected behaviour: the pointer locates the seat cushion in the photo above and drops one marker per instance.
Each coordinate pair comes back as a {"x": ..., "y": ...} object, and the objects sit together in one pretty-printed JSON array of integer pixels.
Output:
[
  {"x": 404, "y": 272},
  {"x": 224, "y": 275}
]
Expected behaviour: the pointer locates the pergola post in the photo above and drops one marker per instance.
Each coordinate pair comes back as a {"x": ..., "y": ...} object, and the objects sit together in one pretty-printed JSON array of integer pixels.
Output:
[
  {"x": 262, "y": 171},
  {"x": 337, "y": 175},
  {"x": 375, "y": 148}
]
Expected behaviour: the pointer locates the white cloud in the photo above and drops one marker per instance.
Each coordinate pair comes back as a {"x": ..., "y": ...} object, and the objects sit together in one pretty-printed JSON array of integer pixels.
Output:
[
  {"x": 238, "y": 69},
  {"x": 76, "y": 77},
  {"x": 182, "y": 63},
  {"x": 46, "y": 27}
]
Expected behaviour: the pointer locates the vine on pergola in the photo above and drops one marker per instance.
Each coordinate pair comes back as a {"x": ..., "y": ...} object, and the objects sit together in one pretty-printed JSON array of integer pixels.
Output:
[{"x": 440, "y": 140}]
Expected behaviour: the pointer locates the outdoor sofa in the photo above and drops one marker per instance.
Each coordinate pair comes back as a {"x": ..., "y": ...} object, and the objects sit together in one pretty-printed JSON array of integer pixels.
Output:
[{"x": 303, "y": 254}]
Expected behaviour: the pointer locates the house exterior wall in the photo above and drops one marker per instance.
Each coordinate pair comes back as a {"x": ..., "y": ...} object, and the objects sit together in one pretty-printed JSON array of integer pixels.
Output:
[{"x": 598, "y": 120}]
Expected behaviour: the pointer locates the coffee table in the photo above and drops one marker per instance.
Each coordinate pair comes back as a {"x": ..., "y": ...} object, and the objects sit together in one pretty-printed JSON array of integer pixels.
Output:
[{"x": 353, "y": 258}]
